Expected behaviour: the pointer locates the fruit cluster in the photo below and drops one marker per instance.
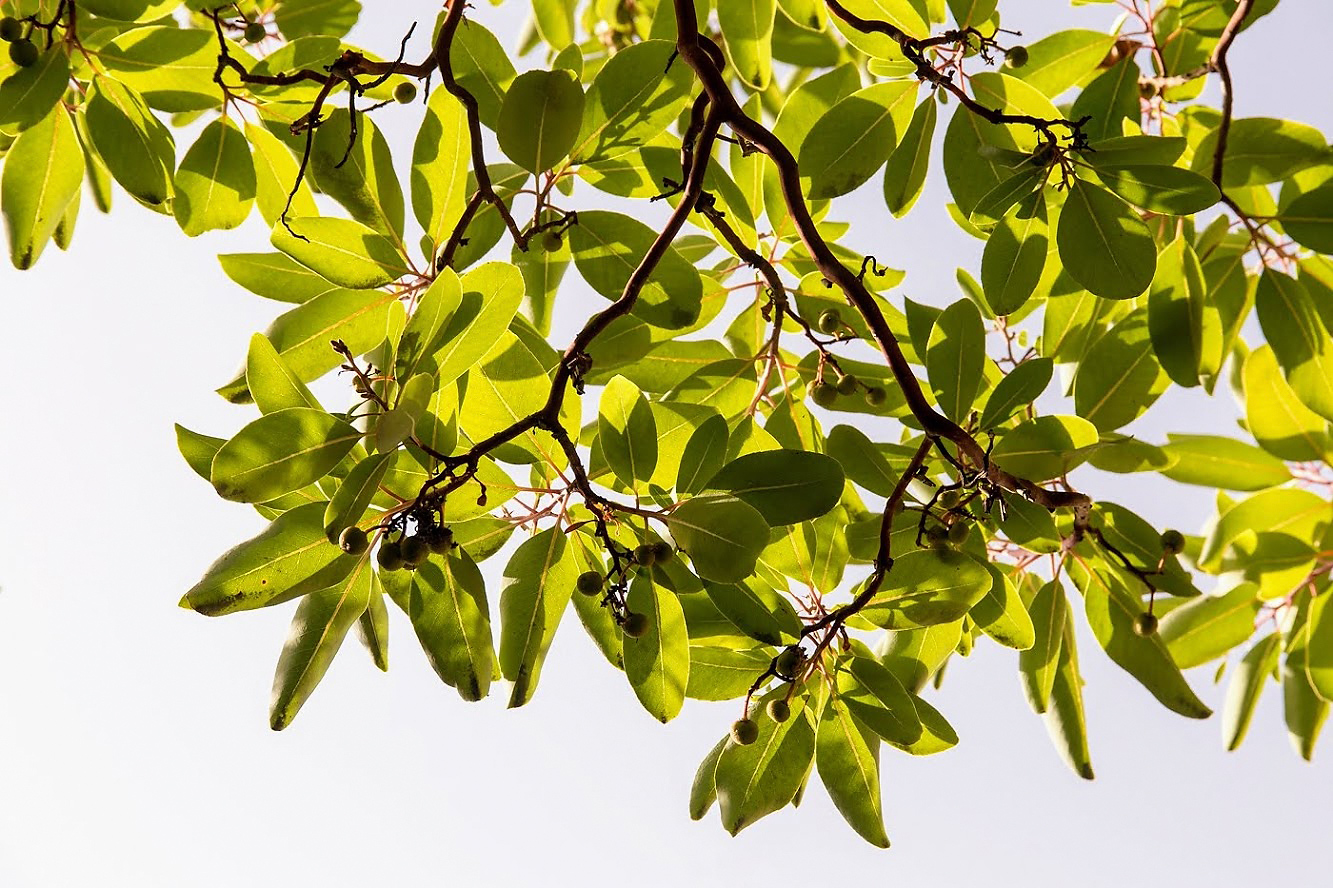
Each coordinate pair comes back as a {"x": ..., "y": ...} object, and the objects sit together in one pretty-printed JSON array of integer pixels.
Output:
[
  {"x": 407, "y": 552},
  {"x": 22, "y": 51},
  {"x": 592, "y": 582}
]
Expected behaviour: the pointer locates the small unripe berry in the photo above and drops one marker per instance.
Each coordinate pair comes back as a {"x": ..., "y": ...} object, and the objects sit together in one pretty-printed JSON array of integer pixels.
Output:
[
  {"x": 823, "y": 394},
  {"x": 744, "y": 731},
  {"x": 958, "y": 532},
  {"x": 1145, "y": 624},
  {"x": 662, "y": 552},
  {"x": 1016, "y": 57},
  {"x": 405, "y": 92},
  {"x": 644, "y": 555},
  {"x": 876, "y": 396},
  {"x": 552, "y": 241},
  {"x": 847, "y": 384},
  {"x": 353, "y": 541},
  {"x": 788, "y": 662},
  {"x": 440, "y": 540},
  {"x": 415, "y": 551},
  {"x": 390, "y": 556},
  {"x": 24, "y": 53},
  {"x": 1173, "y": 542},
  {"x": 255, "y": 32},
  {"x": 11, "y": 29},
  {"x": 778, "y": 710},
  {"x": 589, "y": 582},
  {"x": 829, "y": 321},
  {"x": 636, "y": 625}
]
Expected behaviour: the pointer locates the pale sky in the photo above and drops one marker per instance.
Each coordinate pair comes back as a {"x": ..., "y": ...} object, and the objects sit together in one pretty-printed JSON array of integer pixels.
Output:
[{"x": 134, "y": 741}]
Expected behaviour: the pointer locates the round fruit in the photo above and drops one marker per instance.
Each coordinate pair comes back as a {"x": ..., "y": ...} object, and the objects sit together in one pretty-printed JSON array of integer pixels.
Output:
[
  {"x": 958, "y": 532},
  {"x": 779, "y": 710},
  {"x": 823, "y": 394},
  {"x": 11, "y": 29},
  {"x": 829, "y": 321},
  {"x": 876, "y": 396},
  {"x": 255, "y": 32},
  {"x": 1173, "y": 542},
  {"x": 847, "y": 384},
  {"x": 24, "y": 53},
  {"x": 744, "y": 731},
  {"x": 405, "y": 92},
  {"x": 552, "y": 241},
  {"x": 353, "y": 541},
  {"x": 1016, "y": 57},
  {"x": 644, "y": 555},
  {"x": 415, "y": 550},
  {"x": 662, "y": 552},
  {"x": 788, "y": 662},
  {"x": 635, "y": 625},
  {"x": 390, "y": 556},
  {"x": 589, "y": 582},
  {"x": 440, "y": 540},
  {"x": 1145, "y": 624}
]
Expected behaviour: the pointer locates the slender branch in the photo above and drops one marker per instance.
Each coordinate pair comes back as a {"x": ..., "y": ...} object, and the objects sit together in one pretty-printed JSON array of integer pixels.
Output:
[{"x": 1219, "y": 62}]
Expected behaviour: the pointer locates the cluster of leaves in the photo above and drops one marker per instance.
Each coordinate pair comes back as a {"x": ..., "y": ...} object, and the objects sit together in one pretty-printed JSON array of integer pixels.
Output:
[{"x": 726, "y": 535}]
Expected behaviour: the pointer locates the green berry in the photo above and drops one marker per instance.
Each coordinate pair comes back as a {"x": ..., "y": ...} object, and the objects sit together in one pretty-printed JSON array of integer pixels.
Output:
[
  {"x": 847, "y": 384},
  {"x": 552, "y": 241},
  {"x": 589, "y": 582},
  {"x": 405, "y": 92},
  {"x": 1016, "y": 57},
  {"x": 788, "y": 662},
  {"x": 635, "y": 625},
  {"x": 440, "y": 540},
  {"x": 958, "y": 532},
  {"x": 390, "y": 556},
  {"x": 778, "y": 710},
  {"x": 876, "y": 396},
  {"x": 662, "y": 552},
  {"x": 24, "y": 53},
  {"x": 744, "y": 731},
  {"x": 1173, "y": 542},
  {"x": 829, "y": 321},
  {"x": 11, "y": 29},
  {"x": 644, "y": 555},
  {"x": 415, "y": 550},
  {"x": 1145, "y": 624},
  {"x": 255, "y": 32},
  {"x": 823, "y": 394},
  {"x": 353, "y": 541}
]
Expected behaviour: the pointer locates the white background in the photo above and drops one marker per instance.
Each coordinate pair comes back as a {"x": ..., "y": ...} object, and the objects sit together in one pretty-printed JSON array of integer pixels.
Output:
[{"x": 134, "y": 747}]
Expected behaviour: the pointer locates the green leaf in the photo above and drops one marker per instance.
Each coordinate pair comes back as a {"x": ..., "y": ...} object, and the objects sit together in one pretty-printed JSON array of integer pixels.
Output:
[
  {"x": 1110, "y": 99},
  {"x": 926, "y": 587},
  {"x": 447, "y": 607},
  {"x": 905, "y": 172},
  {"x": 1103, "y": 244},
  {"x": 1261, "y": 150},
  {"x": 756, "y": 609},
  {"x": 355, "y": 494},
  {"x": 703, "y": 792},
  {"x": 1319, "y": 646},
  {"x": 301, "y": 18},
  {"x": 1021, "y": 386},
  {"x": 372, "y": 627},
  {"x": 275, "y": 171},
  {"x": 1205, "y": 628},
  {"x": 540, "y": 118},
  {"x": 539, "y": 579},
  {"x": 289, "y": 558},
  {"x": 631, "y": 101},
  {"x": 274, "y": 276},
  {"x": 1120, "y": 378},
  {"x": 854, "y": 138},
  {"x": 748, "y": 25},
  {"x": 1111, "y": 613},
  {"x": 607, "y": 249},
  {"x": 271, "y": 383},
  {"x": 1278, "y": 420},
  {"x": 1123, "y": 151},
  {"x": 849, "y": 767},
  {"x": 1064, "y": 59},
  {"x": 134, "y": 145},
  {"x": 627, "y": 432},
  {"x": 1247, "y": 683},
  {"x": 322, "y": 621},
  {"x": 1161, "y": 189},
  {"x": 1040, "y": 663},
  {"x": 723, "y": 673},
  {"x": 784, "y": 486},
  {"x": 1308, "y": 220},
  {"x": 441, "y": 156},
  {"x": 1300, "y": 341},
  {"x": 879, "y": 700},
  {"x": 1285, "y": 510},
  {"x": 1066, "y": 721},
  {"x": 937, "y": 734},
  {"x": 956, "y": 357},
  {"x": 861, "y": 459},
  {"x": 762, "y": 777},
  {"x": 341, "y": 251},
  {"x": 657, "y": 663},
  {"x": 704, "y": 453},
  {"x": 171, "y": 67},
  {"x": 1001, "y": 614},
  {"x": 197, "y": 449},
  {"x": 1182, "y": 324},
  {"x": 42, "y": 173},
  {"x": 722, "y": 535},
  {"x": 1015, "y": 255},
  {"x": 1214, "y": 461},
  {"x": 363, "y": 179},
  {"x": 281, "y": 452},
  {"x": 1045, "y": 447},
  {"x": 27, "y": 95},
  {"x": 1303, "y": 710},
  {"x": 492, "y": 294},
  {"x": 482, "y": 67},
  {"x": 421, "y": 340}
]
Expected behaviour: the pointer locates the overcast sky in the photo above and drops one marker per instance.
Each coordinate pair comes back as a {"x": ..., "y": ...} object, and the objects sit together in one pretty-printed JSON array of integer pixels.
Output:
[{"x": 134, "y": 744}]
